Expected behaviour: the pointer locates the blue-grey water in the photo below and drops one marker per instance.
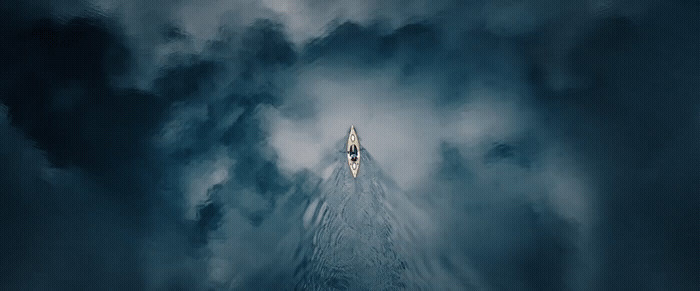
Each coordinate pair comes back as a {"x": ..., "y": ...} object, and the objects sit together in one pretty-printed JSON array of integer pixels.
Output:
[
  {"x": 352, "y": 234},
  {"x": 357, "y": 233}
]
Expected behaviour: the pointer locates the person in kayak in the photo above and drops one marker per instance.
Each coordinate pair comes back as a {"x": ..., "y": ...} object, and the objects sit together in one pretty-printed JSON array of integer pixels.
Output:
[{"x": 353, "y": 153}]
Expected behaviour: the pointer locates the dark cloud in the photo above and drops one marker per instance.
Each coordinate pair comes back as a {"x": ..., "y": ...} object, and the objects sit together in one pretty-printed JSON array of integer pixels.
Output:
[
  {"x": 57, "y": 88},
  {"x": 75, "y": 217},
  {"x": 514, "y": 240},
  {"x": 636, "y": 118},
  {"x": 185, "y": 80},
  {"x": 545, "y": 146},
  {"x": 62, "y": 229}
]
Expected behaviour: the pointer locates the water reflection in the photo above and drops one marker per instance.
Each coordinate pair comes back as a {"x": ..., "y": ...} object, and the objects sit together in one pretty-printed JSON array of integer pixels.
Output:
[{"x": 353, "y": 237}]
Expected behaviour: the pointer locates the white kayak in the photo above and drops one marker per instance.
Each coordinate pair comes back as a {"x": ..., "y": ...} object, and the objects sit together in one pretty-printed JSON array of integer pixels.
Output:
[{"x": 353, "y": 150}]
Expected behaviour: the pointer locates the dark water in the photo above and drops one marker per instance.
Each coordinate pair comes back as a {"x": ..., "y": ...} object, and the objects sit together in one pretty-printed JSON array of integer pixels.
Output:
[
  {"x": 351, "y": 239},
  {"x": 358, "y": 233}
]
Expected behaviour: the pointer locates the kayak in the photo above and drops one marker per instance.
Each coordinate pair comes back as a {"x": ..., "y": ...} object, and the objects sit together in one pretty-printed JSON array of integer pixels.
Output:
[{"x": 353, "y": 150}]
